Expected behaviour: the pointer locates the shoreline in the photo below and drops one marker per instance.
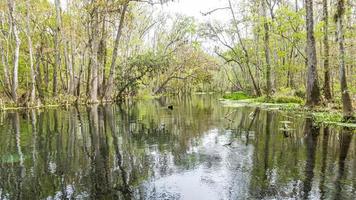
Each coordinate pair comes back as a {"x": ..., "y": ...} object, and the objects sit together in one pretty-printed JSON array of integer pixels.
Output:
[{"x": 321, "y": 116}]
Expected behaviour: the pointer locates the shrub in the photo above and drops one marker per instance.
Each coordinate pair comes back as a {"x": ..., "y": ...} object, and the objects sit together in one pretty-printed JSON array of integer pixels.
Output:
[
  {"x": 288, "y": 99},
  {"x": 236, "y": 96},
  {"x": 300, "y": 93},
  {"x": 285, "y": 91},
  {"x": 280, "y": 99}
]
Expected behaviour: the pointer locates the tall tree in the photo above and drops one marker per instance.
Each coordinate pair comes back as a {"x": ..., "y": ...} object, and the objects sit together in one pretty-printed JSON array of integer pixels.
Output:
[
  {"x": 15, "y": 31},
  {"x": 93, "y": 45},
  {"x": 5, "y": 59},
  {"x": 32, "y": 71},
  {"x": 313, "y": 91},
  {"x": 244, "y": 49},
  {"x": 57, "y": 64},
  {"x": 327, "y": 89},
  {"x": 346, "y": 100},
  {"x": 110, "y": 83},
  {"x": 267, "y": 49}
]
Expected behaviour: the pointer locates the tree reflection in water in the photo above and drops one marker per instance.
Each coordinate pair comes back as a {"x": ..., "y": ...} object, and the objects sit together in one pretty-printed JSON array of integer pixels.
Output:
[
  {"x": 143, "y": 150},
  {"x": 345, "y": 141},
  {"x": 311, "y": 132}
]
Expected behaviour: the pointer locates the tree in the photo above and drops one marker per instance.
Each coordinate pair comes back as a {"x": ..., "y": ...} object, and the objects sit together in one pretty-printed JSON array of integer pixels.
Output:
[
  {"x": 267, "y": 50},
  {"x": 57, "y": 64},
  {"x": 313, "y": 92},
  {"x": 109, "y": 86},
  {"x": 15, "y": 31},
  {"x": 32, "y": 71},
  {"x": 327, "y": 89},
  {"x": 93, "y": 45},
  {"x": 346, "y": 100}
]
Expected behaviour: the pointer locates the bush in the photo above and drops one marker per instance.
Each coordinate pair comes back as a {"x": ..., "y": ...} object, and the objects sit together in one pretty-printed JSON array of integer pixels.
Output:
[
  {"x": 280, "y": 99},
  {"x": 236, "y": 96},
  {"x": 300, "y": 93},
  {"x": 288, "y": 99},
  {"x": 285, "y": 91}
]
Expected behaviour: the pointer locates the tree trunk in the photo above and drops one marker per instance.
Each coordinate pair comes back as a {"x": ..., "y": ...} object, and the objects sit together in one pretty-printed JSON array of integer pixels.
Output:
[
  {"x": 38, "y": 73},
  {"x": 14, "y": 85},
  {"x": 110, "y": 83},
  {"x": 346, "y": 100},
  {"x": 32, "y": 71},
  {"x": 313, "y": 92},
  {"x": 255, "y": 86},
  {"x": 93, "y": 94},
  {"x": 4, "y": 59},
  {"x": 69, "y": 68},
  {"x": 71, "y": 54},
  {"x": 267, "y": 50},
  {"x": 57, "y": 48},
  {"x": 327, "y": 90},
  {"x": 102, "y": 53}
]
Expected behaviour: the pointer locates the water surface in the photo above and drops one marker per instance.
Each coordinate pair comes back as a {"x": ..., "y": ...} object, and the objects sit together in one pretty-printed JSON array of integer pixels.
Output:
[{"x": 198, "y": 150}]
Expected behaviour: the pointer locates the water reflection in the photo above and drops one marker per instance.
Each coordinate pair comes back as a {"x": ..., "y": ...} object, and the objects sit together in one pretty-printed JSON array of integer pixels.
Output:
[
  {"x": 345, "y": 141},
  {"x": 198, "y": 150},
  {"x": 311, "y": 132},
  {"x": 324, "y": 154}
]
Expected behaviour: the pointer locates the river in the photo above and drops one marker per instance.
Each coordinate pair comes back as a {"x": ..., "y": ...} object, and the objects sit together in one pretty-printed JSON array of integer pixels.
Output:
[{"x": 200, "y": 149}]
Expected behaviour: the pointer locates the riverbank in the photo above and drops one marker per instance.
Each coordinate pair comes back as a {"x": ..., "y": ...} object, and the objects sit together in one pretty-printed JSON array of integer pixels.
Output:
[
  {"x": 208, "y": 147},
  {"x": 50, "y": 103},
  {"x": 321, "y": 115}
]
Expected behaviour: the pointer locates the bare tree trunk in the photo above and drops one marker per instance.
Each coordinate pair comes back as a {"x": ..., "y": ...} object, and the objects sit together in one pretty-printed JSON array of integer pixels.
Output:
[
  {"x": 313, "y": 92},
  {"x": 69, "y": 67},
  {"x": 110, "y": 83},
  {"x": 4, "y": 59},
  {"x": 327, "y": 90},
  {"x": 38, "y": 73},
  {"x": 93, "y": 94},
  {"x": 57, "y": 64},
  {"x": 14, "y": 85},
  {"x": 102, "y": 52},
  {"x": 32, "y": 71},
  {"x": 255, "y": 86},
  {"x": 346, "y": 100},
  {"x": 70, "y": 53},
  {"x": 267, "y": 50}
]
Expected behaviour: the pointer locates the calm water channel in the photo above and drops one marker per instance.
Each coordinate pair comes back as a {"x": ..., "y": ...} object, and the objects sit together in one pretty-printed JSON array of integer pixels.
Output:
[{"x": 198, "y": 150}]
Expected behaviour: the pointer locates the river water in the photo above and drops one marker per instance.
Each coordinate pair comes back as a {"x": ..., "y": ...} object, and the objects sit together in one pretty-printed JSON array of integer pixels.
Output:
[{"x": 200, "y": 149}]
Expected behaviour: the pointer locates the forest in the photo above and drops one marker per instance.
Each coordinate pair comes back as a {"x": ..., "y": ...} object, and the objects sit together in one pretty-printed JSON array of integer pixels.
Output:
[
  {"x": 97, "y": 51},
  {"x": 177, "y": 99}
]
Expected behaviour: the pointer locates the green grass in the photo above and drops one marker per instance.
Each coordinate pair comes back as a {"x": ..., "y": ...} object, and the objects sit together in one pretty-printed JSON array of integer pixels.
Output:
[
  {"x": 237, "y": 96},
  {"x": 327, "y": 117},
  {"x": 280, "y": 99}
]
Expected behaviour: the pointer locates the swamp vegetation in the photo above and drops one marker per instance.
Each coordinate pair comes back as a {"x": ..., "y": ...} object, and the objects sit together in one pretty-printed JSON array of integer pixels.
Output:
[
  {"x": 122, "y": 99},
  {"x": 70, "y": 51},
  {"x": 199, "y": 150}
]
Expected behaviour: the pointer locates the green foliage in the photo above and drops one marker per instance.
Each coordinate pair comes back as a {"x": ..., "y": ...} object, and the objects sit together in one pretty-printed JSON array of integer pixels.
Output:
[
  {"x": 139, "y": 66},
  {"x": 236, "y": 96},
  {"x": 327, "y": 117},
  {"x": 280, "y": 99},
  {"x": 300, "y": 93},
  {"x": 147, "y": 60}
]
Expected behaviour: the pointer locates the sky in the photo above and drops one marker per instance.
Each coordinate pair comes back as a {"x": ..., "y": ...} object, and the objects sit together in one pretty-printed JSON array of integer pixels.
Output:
[{"x": 194, "y": 8}]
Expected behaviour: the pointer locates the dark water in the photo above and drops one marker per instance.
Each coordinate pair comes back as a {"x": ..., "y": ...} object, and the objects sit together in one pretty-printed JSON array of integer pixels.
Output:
[{"x": 198, "y": 150}]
